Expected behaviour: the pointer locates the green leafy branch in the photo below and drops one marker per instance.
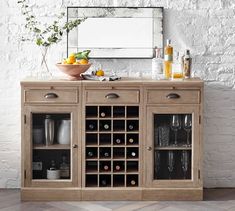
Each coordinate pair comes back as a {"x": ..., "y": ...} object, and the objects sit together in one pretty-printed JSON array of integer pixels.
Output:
[{"x": 51, "y": 34}]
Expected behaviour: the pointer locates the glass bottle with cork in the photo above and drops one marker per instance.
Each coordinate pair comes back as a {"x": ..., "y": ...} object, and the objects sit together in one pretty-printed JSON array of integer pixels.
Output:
[{"x": 168, "y": 59}]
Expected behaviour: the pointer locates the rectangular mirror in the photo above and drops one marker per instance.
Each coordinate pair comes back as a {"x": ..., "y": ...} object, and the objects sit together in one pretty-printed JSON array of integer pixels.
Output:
[{"x": 113, "y": 32}]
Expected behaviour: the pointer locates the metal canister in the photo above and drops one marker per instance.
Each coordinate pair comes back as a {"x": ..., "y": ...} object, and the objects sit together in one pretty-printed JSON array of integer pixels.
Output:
[{"x": 49, "y": 130}]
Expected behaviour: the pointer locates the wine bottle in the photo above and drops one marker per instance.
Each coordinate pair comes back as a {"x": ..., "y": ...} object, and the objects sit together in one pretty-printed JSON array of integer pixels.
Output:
[
  {"x": 131, "y": 140},
  {"x": 103, "y": 182},
  {"x": 90, "y": 154},
  {"x": 102, "y": 114},
  {"x": 117, "y": 167},
  {"x": 118, "y": 141},
  {"x": 133, "y": 154},
  {"x": 91, "y": 126},
  {"x": 37, "y": 168},
  {"x": 106, "y": 167},
  {"x": 106, "y": 126},
  {"x": 131, "y": 127},
  {"x": 106, "y": 154},
  {"x": 133, "y": 182}
]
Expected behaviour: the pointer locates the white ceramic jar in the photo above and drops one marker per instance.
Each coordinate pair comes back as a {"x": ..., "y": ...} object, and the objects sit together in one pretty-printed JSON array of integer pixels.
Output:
[{"x": 64, "y": 132}]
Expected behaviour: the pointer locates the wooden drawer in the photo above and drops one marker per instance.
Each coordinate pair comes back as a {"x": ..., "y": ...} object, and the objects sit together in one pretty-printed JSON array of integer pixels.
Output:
[
  {"x": 57, "y": 95},
  {"x": 112, "y": 96},
  {"x": 173, "y": 96}
]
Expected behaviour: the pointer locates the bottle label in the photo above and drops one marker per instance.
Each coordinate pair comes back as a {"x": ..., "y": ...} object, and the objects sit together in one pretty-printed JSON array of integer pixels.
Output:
[{"x": 168, "y": 57}]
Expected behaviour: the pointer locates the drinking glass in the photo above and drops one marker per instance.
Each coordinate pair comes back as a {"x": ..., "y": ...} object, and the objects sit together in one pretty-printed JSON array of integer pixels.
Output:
[
  {"x": 170, "y": 162},
  {"x": 157, "y": 163},
  {"x": 187, "y": 125},
  {"x": 185, "y": 161},
  {"x": 175, "y": 125}
]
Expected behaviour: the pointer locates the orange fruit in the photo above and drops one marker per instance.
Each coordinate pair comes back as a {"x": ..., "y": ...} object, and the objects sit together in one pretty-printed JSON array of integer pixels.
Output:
[
  {"x": 99, "y": 72},
  {"x": 83, "y": 61}
]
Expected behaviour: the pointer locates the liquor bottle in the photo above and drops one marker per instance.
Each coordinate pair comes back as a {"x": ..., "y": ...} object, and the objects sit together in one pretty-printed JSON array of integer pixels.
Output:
[
  {"x": 186, "y": 63},
  {"x": 168, "y": 59},
  {"x": 37, "y": 168},
  {"x": 157, "y": 65},
  {"x": 177, "y": 71},
  {"x": 64, "y": 168}
]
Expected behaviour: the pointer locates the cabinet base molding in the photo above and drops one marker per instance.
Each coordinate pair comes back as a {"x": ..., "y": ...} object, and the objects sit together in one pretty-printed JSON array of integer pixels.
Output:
[
  {"x": 50, "y": 194},
  {"x": 104, "y": 194}
]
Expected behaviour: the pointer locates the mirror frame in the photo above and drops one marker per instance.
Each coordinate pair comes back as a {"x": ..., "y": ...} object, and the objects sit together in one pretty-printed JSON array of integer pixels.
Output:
[{"x": 162, "y": 32}]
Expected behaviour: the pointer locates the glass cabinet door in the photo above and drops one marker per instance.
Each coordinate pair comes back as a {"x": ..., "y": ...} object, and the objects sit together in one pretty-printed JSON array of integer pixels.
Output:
[
  {"x": 172, "y": 145},
  {"x": 52, "y": 144}
]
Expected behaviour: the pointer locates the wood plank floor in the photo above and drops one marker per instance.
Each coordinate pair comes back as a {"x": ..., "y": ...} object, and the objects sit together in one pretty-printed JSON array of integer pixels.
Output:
[{"x": 214, "y": 200}]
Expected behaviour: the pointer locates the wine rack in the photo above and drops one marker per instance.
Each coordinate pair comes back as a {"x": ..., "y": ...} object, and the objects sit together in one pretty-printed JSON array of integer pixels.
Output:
[{"x": 112, "y": 146}]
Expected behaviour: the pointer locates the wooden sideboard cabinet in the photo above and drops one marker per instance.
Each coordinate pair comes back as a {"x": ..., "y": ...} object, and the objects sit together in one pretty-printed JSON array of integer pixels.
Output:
[{"x": 122, "y": 140}]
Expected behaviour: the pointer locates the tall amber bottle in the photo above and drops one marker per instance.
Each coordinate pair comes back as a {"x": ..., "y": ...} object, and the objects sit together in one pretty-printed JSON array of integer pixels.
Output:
[{"x": 168, "y": 59}]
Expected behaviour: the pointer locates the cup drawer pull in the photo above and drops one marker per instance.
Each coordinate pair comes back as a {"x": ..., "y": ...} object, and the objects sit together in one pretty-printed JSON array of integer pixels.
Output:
[
  {"x": 112, "y": 96},
  {"x": 51, "y": 96},
  {"x": 173, "y": 96}
]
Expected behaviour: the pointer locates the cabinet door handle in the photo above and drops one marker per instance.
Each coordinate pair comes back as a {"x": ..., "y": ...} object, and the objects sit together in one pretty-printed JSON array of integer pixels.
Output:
[
  {"x": 51, "y": 96},
  {"x": 112, "y": 96},
  {"x": 75, "y": 146},
  {"x": 173, "y": 96}
]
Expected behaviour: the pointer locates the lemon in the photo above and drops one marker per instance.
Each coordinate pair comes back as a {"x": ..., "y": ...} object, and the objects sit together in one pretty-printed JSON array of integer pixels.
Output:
[
  {"x": 70, "y": 60},
  {"x": 83, "y": 61},
  {"x": 64, "y": 61},
  {"x": 99, "y": 72},
  {"x": 76, "y": 63}
]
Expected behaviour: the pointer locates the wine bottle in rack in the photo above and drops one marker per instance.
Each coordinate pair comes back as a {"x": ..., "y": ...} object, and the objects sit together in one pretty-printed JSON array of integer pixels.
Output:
[
  {"x": 130, "y": 126},
  {"x": 133, "y": 154},
  {"x": 106, "y": 154},
  {"x": 118, "y": 167},
  {"x": 118, "y": 141},
  {"x": 103, "y": 114},
  {"x": 91, "y": 126},
  {"x": 133, "y": 182},
  {"x": 90, "y": 154},
  {"x": 106, "y": 126},
  {"x": 103, "y": 182},
  {"x": 130, "y": 140},
  {"x": 105, "y": 167}
]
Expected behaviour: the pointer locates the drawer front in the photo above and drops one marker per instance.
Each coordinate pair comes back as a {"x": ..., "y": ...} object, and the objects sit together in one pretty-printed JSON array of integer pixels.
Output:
[
  {"x": 112, "y": 96},
  {"x": 173, "y": 96},
  {"x": 51, "y": 96}
]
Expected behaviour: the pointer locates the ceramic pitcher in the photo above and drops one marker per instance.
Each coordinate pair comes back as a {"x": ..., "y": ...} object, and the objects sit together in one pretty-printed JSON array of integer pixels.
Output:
[{"x": 64, "y": 132}]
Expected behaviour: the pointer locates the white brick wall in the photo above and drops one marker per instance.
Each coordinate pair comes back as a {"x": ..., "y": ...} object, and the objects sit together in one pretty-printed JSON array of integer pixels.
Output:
[{"x": 205, "y": 26}]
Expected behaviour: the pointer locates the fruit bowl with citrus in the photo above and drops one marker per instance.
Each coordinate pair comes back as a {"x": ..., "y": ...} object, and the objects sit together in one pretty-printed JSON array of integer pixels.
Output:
[{"x": 75, "y": 64}]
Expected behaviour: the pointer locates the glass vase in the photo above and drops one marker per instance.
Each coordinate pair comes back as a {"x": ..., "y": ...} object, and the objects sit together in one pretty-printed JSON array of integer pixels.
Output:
[{"x": 43, "y": 71}]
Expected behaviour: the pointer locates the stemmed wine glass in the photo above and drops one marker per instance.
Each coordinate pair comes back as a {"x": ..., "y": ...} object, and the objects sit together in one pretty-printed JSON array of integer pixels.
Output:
[
  {"x": 157, "y": 163},
  {"x": 185, "y": 162},
  {"x": 187, "y": 125},
  {"x": 170, "y": 162},
  {"x": 175, "y": 125}
]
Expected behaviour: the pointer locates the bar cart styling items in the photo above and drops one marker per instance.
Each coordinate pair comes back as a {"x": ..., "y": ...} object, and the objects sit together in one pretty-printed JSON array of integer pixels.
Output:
[{"x": 45, "y": 35}]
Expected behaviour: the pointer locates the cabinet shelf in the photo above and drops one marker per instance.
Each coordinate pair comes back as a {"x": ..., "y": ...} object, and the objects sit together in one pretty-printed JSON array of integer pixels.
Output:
[{"x": 52, "y": 147}]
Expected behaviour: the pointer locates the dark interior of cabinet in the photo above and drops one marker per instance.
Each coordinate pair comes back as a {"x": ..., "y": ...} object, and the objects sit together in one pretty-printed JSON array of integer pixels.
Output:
[
  {"x": 45, "y": 157},
  {"x": 161, "y": 166}
]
